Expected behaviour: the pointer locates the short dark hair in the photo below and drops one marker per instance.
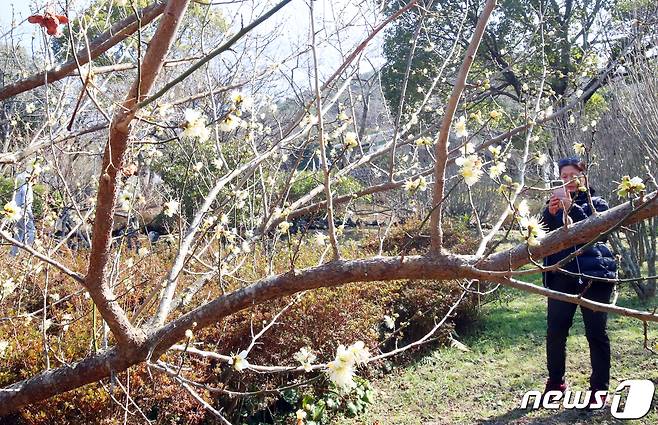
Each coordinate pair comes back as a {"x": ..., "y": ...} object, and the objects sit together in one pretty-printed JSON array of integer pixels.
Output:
[{"x": 573, "y": 161}]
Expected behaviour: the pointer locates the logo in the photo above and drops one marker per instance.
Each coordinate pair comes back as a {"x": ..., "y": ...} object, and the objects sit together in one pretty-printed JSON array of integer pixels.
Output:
[{"x": 636, "y": 394}]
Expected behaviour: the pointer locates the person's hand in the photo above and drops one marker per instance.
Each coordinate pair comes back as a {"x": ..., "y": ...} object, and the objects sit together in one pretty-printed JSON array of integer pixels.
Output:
[{"x": 554, "y": 205}]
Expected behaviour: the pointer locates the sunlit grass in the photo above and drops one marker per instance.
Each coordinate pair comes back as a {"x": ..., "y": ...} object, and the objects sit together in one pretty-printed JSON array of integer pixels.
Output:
[{"x": 507, "y": 358}]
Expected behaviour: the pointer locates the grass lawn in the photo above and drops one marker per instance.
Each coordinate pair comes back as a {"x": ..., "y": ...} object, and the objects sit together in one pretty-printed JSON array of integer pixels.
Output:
[{"x": 507, "y": 358}]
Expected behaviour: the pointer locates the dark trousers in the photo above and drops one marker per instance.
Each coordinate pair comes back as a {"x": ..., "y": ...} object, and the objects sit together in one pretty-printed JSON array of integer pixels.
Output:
[{"x": 560, "y": 318}]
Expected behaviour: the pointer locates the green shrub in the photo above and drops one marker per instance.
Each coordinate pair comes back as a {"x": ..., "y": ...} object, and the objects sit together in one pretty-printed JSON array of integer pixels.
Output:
[{"x": 307, "y": 180}]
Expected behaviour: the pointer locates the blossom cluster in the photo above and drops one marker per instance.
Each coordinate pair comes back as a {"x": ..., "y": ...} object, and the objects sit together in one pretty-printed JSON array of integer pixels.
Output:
[
  {"x": 194, "y": 126},
  {"x": 306, "y": 357},
  {"x": 416, "y": 185},
  {"x": 341, "y": 369},
  {"x": 499, "y": 166},
  {"x": 470, "y": 168},
  {"x": 630, "y": 186},
  {"x": 532, "y": 227}
]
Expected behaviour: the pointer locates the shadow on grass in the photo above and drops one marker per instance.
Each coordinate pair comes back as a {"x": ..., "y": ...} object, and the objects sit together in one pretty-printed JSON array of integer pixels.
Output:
[
  {"x": 518, "y": 416},
  {"x": 510, "y": 323},
  {"x": 521, "y": 320}
]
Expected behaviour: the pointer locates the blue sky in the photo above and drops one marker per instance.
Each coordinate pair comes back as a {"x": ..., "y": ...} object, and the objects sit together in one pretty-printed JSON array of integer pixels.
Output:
[
  {"x": 294, "y": 17},
  {"x": 19, "y": 10},
  {"x": 20, "y": 7}
]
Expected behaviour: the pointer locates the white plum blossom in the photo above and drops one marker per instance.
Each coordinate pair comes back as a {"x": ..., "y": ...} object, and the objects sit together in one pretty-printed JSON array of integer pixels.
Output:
[
  {"x": 533, "y": 229},
  {"x": 7, "y": 288},
  {"x": 548, "y": 112},
  {"x": 579, "y": 148},
  {"x": 195, "y": 125},
  {"x": 413, "y": 186},
  {"x": 359, "y": 352},
  {"x": 208, "y": 222},
  {"x": 66, "y": 321},
  {"x": 468, "y": 149},
  {"x": 494, "y": 149},
  {"x": 309, "y": 119},
  {"x": 241, "y": 100},
  {"x": 341, "y": 374},
  {"x": 171, "y": 207},
  {"x": 229, "y": 123},
  {"x": 241, "y": 198},
  {"x": 523, "y": 209},
  {"x": 12, "y": 211},
  {"x": 424, "y": 141},
  {"x": 321, "y": 239},
  {"x": 283, "y": 227},
  {"x": 239, "y": 361},
  {"x": 334, "y": 134},
  {"x": 305, "y": 357},
  {"x": 341, "y": 369},
  {"x": 470, "y": 168},
  {"x": 389, "y": 322},
  {"x": 460, "y": 127},
  {"x": 3, "y": 347},
  {"x": 351, "y": 141},
  {"x": 217, "y": 163},
  {"x": 497, "y": 170},
  {"x": 540, "y": 158},
  {"x": 125, "y": 201}
]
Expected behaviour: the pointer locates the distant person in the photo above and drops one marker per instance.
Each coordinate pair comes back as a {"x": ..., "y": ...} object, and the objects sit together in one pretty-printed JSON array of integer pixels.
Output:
[
  {"x": 595, "y": 261},
  {"x": 24, "y": 198}
]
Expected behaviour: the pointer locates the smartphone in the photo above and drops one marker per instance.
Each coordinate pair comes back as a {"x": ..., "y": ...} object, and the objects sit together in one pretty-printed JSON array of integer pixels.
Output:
[{"x": 559, "y": 190}]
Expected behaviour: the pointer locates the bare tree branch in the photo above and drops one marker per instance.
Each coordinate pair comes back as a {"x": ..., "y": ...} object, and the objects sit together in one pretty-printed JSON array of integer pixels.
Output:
[
  {"x": 119, "y": 32},
  {"x": 441, "y": 146},
  {"x": 113, "y": 161}
]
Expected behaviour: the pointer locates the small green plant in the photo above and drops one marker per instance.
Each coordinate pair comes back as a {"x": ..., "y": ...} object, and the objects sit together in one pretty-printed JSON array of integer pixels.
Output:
[{"x": 323, "y": 406}]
